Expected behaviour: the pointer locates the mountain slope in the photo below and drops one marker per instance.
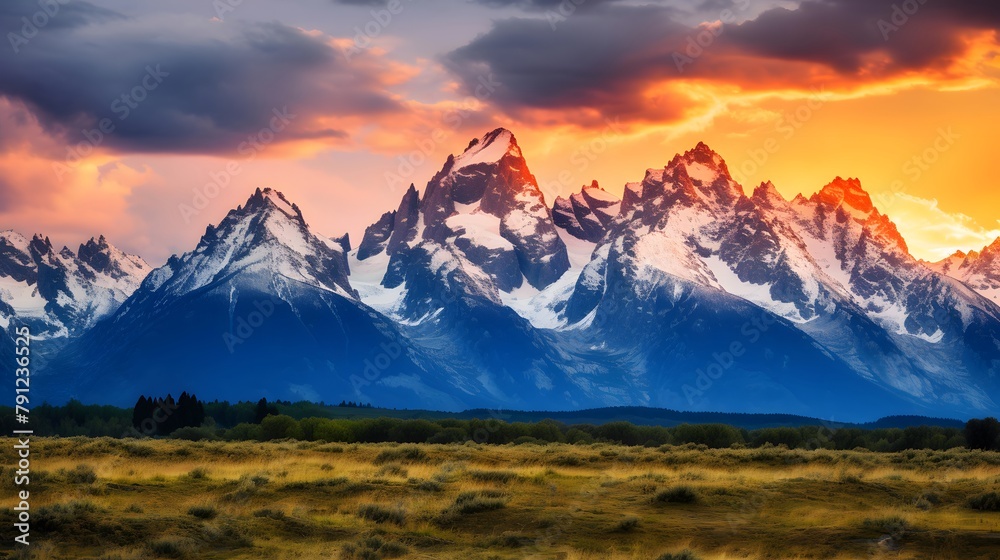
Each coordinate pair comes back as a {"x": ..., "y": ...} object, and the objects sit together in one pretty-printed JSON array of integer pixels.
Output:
[
  {"x": 460, "y": 265},
  {"x": 261, "y": 307},
  {"x": 831, "y": 266},
  {"x": 687, "y": 293}
]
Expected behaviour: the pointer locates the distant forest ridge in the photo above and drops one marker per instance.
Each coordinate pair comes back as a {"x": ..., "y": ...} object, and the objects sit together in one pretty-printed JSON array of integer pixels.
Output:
[{"x": 76, "y": 418}]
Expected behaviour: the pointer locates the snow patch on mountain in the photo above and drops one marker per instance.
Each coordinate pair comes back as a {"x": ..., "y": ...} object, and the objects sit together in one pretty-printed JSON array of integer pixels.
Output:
[
  {"x": 62, "y": 293},
  {"x": 488, "y": 149},
  {"x": 760, "y": 294}
]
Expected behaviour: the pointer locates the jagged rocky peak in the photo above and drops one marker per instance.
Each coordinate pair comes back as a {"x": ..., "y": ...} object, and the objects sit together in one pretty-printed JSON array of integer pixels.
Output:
[
  {"x": 586, "y": 214},
  {"x": 845, "y": 192},
  {"x": 847, "y": 196},
  {"x": 266, "y": 239},
  {"x": 61, "y": 292},
  {"x": 980, "y": 270},
  {"x": 488, "y": 149},
  {"x": 105, "y": 258},
  {"x": 952, "y": 264},
  {"x": 485, "y": 206},
  {"x": 702, "y": 164},
  {"x": 40, "y": 245},
  {"x": 767, "y": 196},
  {"x": 699, "y": 177},
  {"x": 344, "y": 241},
  {"x": 393, "y": 227},
  {"x": 264, "y": 199},
  {"x": 705, "y": 155},
  {"x": 377, "y": 236}
]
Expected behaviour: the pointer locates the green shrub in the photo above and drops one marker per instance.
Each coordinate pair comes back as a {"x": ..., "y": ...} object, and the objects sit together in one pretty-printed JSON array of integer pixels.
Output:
[
  {"x": 501, "y": 477},
  {"x": 626, "y": 525},
  {"x": 203, "y": 512},
  {"x": 893, "y": 525},
  {"x": 429, "y": 486},
  {"x": 245, "y": 432},
  {"x": 269, "y": 513},
  {"x": 477, "y": 501},
  {"x": 67, "y": 517},
  {"x": 373, "y": 548},
  {"x": 138, "y": 450},
  {"x": 191, "y": 433},
  {"x": 381, "y": 514},
  {"x": 280, "y": 427},
  {"x": 392, "y": 469},
  {"x": 82, "y": 474},
  {"x": 171, "y": 548},
  {"x": 199, "y": 473},
  {"x": 985, "y": 502},
  {"x": 676, "y": 495},
  {"x": 408, "y": 454}
]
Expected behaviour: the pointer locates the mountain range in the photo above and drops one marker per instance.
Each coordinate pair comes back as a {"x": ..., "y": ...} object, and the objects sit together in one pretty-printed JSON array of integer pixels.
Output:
[{"x": 688, "y": 293}]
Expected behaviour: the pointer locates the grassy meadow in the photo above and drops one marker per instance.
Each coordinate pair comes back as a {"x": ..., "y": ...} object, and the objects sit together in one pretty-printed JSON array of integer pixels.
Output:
[{"x": 137, "y": 499}]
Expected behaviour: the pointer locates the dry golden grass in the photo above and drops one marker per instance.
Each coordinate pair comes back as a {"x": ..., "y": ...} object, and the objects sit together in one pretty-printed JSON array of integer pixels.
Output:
[{"x": 291, "y": 500}]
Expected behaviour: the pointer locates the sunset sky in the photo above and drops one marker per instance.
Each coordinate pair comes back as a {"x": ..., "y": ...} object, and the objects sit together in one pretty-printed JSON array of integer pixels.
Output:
[{"x": 320, "y": 99}]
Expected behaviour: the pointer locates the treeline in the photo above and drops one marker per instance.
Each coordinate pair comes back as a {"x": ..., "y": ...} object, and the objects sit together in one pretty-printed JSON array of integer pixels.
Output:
[
  {"x": 376, "y": 430},
  {"x": 163, "y": 416},
  {"x": 268, "y": 421}
]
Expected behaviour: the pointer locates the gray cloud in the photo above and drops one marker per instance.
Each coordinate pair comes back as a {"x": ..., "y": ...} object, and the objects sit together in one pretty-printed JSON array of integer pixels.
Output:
[
  {"x": 219, "y": 81},
  {"x": 598, "y": 62},
  {"x": 589, "y": 61}
]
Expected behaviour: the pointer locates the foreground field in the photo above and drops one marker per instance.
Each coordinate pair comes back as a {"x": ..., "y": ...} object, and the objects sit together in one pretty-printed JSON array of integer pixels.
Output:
[{"x": 137, "y": 499}]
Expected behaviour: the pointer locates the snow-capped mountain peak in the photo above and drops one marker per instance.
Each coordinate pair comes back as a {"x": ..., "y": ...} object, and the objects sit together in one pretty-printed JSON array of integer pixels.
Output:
[
  {"x": 485, "y": 208},
  {"x": 980, "y": 270},
  {"x": 268, "y": 198},
  {"x": 586, "y": 214},
  {"x": 63, "y": 293},
  {"x": 845, "y": 192},
  {"x": 106, "y": 258},
  {"x": 767, "y": 196},
  {"x": 490, "y": 148},
  {"x": 266, "y": 238}
]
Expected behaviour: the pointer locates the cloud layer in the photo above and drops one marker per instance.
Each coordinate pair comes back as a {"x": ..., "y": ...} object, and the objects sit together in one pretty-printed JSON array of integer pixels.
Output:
[
  {"x": 636, "y": 62},
  {"x": 216, "y": 83}
]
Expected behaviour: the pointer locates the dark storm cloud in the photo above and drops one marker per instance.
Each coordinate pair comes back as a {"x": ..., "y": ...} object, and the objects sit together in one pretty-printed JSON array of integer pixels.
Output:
[
  {"x": 602, "y": 59},
  {"x": 915, "y": 34},
  {"x": 18, "y": 16},
  {"x": 589, "y": 60},
  {"x": 189, "y": 85}
]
